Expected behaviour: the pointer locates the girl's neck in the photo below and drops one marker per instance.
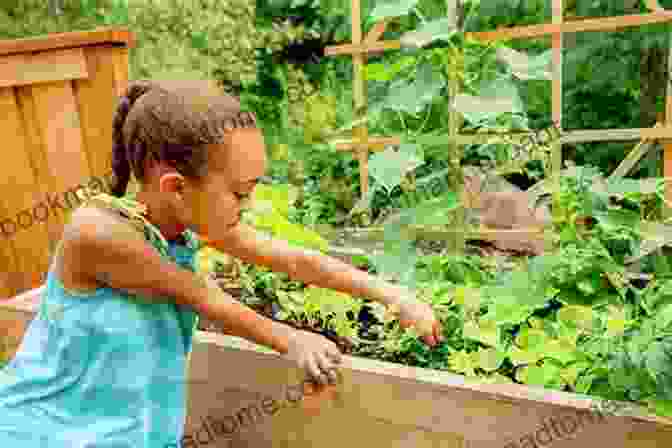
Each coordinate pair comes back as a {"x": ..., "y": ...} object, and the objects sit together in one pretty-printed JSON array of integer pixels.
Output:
[{"x": 168, "y": 227}]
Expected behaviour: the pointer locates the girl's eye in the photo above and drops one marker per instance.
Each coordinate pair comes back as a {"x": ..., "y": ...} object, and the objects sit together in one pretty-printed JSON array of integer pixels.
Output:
[{"x": 242, "y": 197}]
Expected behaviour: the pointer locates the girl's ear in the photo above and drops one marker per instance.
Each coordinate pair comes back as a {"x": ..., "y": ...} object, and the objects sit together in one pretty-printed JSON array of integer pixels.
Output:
[{"x": 172, "y": 183}]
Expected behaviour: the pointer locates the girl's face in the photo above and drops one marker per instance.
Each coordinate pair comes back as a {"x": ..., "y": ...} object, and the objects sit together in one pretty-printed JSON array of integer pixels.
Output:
[{"x": 234, "y": 168}]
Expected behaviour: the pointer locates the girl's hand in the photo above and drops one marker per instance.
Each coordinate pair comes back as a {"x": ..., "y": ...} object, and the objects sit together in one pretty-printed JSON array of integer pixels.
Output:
[
  {"x": 315, "y": 354},
  {"x": 413, "y": 313}
]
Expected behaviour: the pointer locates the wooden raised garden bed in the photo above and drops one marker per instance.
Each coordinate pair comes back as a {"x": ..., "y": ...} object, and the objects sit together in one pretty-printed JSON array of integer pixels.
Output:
[
  {"x": 57, "y": 98},
  {"x": 236, "y": 390}
]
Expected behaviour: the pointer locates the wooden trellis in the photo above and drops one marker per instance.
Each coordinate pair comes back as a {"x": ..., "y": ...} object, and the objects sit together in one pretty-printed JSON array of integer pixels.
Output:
[{"x": 360, "y": 47}]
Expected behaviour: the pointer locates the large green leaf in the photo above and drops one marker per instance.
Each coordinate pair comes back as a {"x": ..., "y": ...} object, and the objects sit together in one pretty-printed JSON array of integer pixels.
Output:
[
  {"x": 495, "y": 99},
  {"x": 398, "y": 259},
  {"x": 435, "y": 211},
  {"x": 382, "y": 72},
  {"x": 548, "y": 374},
  {"x": 390, "y": 9},
  {"x": 526, "y": 67},
  {"x": 484, "y": 331},
  {"x": 577, "y": 316},
  {"x": 441, "y": 29},
  {"x": 390, "y": 166},
  {"x": 412, "y": 97},
  {"x": 507, "y": 310}
]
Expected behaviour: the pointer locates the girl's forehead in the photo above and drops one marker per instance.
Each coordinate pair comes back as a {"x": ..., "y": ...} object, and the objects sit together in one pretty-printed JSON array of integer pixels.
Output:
[{"x": 242, "y": 155}]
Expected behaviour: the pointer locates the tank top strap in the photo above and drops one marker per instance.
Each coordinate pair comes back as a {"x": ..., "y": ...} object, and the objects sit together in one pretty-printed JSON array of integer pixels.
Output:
[{"x": 135, "y": 212}]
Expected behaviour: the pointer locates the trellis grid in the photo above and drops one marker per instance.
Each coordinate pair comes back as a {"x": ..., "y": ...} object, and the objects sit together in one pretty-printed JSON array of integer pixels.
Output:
[{"x": 361, "y": 46}]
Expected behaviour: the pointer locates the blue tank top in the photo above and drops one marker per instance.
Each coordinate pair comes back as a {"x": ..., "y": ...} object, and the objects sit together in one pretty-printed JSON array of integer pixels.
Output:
[{"x": 102, "y": 369}]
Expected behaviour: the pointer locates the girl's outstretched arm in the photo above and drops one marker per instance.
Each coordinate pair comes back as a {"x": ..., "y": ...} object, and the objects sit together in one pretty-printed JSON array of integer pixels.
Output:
[
  {"x": 100, "y": 248},
  {"x": 314, "y": 268}
]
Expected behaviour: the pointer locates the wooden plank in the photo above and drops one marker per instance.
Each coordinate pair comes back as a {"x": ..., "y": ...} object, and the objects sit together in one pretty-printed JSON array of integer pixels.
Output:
[
  {"x": 578, "y": 136},
  {"x": 97, "y": 100},
  {"x": 59, "y": 121},
  {"x": 531, "y": 31},
  {"x": 37, "y": 151},
  {"x": 604, "y": 135},
  {"x": 556, "y": 111},
  {"x": 378, "y": 143},
  {"x": 598, "y": 24},
  {"x": 36, "y": 148},
  {"x": 359, "y": 98},
  {"x": 632, "y": 159},
  {"x": 604, "y": 24},
  {"x": 100, "y": 36},
  {"x": 25, "y": 237},
  {"x": 487, "y": 416},
  {"x": 121, "y": 67},
  {"x": 653, "y": 5},
  {"x": 26, "y": 69},
  {"x": 370, "y": 48},
  {"x": 455, "y": 159},
  {"x": 667, "y": 145},
  {"x": 376, "y": 32},
  {"x": 372, "y": 143}
]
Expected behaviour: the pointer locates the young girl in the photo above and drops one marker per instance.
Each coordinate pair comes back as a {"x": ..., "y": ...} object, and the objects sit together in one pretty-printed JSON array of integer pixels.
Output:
[{"x": 103, "y": 363}]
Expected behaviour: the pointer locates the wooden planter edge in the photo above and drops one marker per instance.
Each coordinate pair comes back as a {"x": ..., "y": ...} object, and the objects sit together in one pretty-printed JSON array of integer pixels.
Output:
[
  {"x": 505, "y": 392},
  {"x": 26, "y": 304},
  {"x": 117, "y": 36}
]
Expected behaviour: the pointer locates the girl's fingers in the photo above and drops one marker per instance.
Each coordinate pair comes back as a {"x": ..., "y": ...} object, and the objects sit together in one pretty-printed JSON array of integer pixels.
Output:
[
  {"x": 314, "y": 369},
  {"x": 327, "y": 368},
  {"x": 438, "y": 331},
  {"x": 334, "y": 353}
]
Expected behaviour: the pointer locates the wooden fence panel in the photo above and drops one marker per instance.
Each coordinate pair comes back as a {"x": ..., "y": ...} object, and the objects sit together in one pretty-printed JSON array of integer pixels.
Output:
[{"x": 57, "y": 98}]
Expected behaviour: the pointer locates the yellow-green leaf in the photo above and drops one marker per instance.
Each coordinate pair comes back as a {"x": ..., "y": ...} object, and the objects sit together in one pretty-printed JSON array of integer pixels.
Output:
[
  {"x": 462, "y": 362},
  {"x": 531, "y": 338},
  {"x": 484, "y": 331},
  {"x": 280, "y": 196},
  {"x": 519, "y": 357},
  {"x": 469, "y": 298},
  {"x": 488, "y": 359},
  {"x": 561, "y": 349},
  {"x": 616, "y": 321},
  {"x": 577, "y": 315}
]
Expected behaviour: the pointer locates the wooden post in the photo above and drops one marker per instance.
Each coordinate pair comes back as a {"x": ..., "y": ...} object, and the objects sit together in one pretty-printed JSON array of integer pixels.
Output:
[
  {"x": 359, "y": 99},
  {"x": 667, "y": 144},
  {"x": 556, "y": 106},
  {"x": 455, "y": 151}
]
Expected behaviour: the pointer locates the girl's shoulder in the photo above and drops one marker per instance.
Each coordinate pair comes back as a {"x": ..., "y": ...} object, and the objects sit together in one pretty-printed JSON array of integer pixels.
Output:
[{"x": 89, "y": 226}]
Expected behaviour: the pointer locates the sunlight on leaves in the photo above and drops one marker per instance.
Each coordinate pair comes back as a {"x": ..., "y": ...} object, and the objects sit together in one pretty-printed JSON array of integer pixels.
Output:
[
  {"x": 545, "y": 375},
  {"x": 530, "y": 338},
  {"x": 489, "y": 359},
  {"x": 390, "y": 166},
  {"x": 412, "y": 97},
  {"x": 521, "y": 357},
  {"x": 391, "y": 9},
  {"x": 470, "y": 298},
  {"x": 484, "y": 331},
  {"x": 280, "y": 196},
  {"x": 500, "y": 97},
  {"x": 577, "y": 316},
  {"x": 462, "y": 362},
  {"x": 616, "y": 321},
  {"x": 441, "y": 29},
  {"x": 270, "y": 207},
  {"x": 526, "y": 67}
]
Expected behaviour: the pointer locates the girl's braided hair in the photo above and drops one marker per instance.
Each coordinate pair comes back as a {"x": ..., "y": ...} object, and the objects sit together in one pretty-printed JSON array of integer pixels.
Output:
[{"x": 171, "y": 122}]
